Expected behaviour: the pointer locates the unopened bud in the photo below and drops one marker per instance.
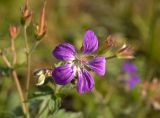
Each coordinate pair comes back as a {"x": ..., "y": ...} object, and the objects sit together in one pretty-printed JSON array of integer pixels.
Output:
[
  {"x": 41, "y": 75},
  {"x": 125, "y": 52},
  {"x": 26, "y": 14},
  {"x": 13, "y": 31},
  {"x": 41, "y": 28},
  {"x": 110, "y": 42}
]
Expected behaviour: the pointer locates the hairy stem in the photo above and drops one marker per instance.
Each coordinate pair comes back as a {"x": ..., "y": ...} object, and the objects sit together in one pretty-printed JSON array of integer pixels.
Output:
[
  {"x": 13, "y": 52},
  {"x": 34, "y": 47},
  {"x": 26, "y": 39},
  {"x": 28, "y": 72},
  {"x": 6, "y": 61},
  {"x": 111, "y": 57},
  {"x": 28, "y": 60},
  {"x": 18, "y": 86},
  {"x": 22, "y": 98}
]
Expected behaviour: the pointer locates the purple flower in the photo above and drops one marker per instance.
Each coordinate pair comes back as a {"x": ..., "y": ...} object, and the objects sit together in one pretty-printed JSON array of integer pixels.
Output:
[
  {"x": 129, "y": 67},
  {"x": 79, "y": 64},
  {"x": 131, "y": 77},
  {"x": 133, "y": 81}
]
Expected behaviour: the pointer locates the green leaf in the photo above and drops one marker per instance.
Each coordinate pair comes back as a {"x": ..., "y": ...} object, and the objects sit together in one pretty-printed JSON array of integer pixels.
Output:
[
  {"x": 51, "y": 105},
  {"x": 42, "y": 92},
  {"x": 43, "y": 111},
  {"x": 54, "y": 104}
]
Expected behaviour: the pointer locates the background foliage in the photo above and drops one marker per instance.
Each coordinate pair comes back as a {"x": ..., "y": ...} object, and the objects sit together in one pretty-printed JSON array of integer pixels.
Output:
[{"x": 134, "y": 21}]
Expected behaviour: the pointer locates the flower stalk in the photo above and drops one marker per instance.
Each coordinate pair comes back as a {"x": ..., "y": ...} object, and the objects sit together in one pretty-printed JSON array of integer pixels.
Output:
[
  {"x": 16, "y": 80},
  {"x": 28, "y": 56},
  {"x": 111, "y": 57},
  {"x": 5, "y": 60},
  {"x": 13, "y": 33},
  {"x": 40, "y": 32},
  {"x": 21, "y": 95}
]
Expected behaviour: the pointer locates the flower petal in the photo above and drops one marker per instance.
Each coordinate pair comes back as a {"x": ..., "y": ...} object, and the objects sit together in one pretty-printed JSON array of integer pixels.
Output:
[
  {"x": 63, "y": 74},
  {"x": 98, "y": 64},
  {"x": 133, "y": 81},
  {"x": 64, "y": 52},
  {"x": 90, "y": 42},
  {"x": 85, "y": 82},
  {"x": 129, "y": 67}
]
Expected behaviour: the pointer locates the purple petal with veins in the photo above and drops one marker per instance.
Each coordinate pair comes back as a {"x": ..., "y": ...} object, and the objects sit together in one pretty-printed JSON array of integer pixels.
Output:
[
  {"x": 85, "y": 82},
  {"x": 98, "y": 64},
  {"x": 90, "y": 42},
  {"x": 64, "y": 52},
  {"x": 63, "y": 74}
]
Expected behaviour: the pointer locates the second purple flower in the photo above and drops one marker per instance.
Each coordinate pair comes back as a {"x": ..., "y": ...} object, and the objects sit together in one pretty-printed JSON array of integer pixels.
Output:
[
  {"x": 79, "y": 64},
  {"x": 131, "y": 79}
]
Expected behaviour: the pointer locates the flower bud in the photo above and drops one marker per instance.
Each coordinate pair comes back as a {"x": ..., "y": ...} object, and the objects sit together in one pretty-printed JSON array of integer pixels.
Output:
[
  {"x": 110, "y": 42},
  {"x": 125, "y": 52},
  {"x": 26, "y": 14},
  {"x": 41, "y": 28},
  {"x": 13, "y": 32},
  {"x": 41, "y": 75}
]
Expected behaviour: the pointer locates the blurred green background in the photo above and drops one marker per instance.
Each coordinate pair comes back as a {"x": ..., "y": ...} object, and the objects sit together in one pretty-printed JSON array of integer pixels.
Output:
[{"x": 134, "y": 21}]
